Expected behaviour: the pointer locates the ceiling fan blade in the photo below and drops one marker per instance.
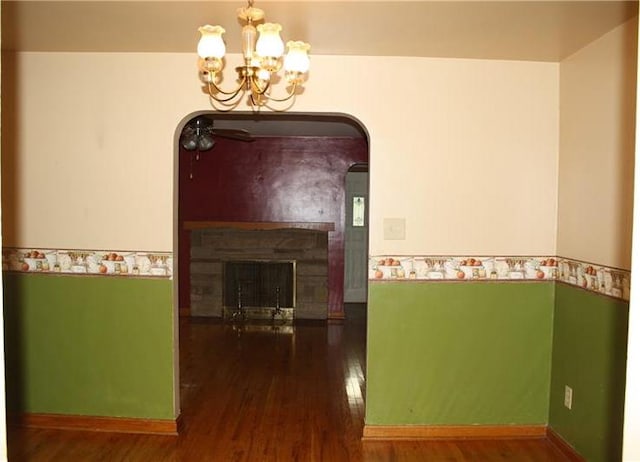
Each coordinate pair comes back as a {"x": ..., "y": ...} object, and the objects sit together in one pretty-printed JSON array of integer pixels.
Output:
[{"x": 233, "y": 133}]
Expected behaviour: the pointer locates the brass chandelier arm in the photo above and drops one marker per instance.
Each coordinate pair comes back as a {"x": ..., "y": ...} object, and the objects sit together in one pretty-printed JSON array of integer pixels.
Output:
[
  {"x": 263, "y": 91},
  {"x": 227, "y": 107},
  {"x": 222, "y": 100},
  {"x": 294, "y": 85},
  {"x": 259, "y": 94},
  {"x": 255, "y": 103},
  {"x": 232, "y": 93},
  {"x": 230, "y": 96},
  {"x": 256, "y": 89}
]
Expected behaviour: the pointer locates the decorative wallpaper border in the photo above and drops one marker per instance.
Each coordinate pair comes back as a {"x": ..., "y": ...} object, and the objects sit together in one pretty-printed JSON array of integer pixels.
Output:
[
  {"x": 613, "y": 282},
  {"x": 93, "y": 262}
]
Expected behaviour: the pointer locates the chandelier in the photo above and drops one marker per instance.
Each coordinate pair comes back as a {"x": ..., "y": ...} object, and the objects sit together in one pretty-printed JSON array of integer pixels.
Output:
[{"x": 263, "y": 59}]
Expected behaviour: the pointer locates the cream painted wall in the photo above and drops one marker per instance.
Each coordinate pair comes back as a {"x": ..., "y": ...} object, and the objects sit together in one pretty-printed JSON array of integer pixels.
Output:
[
  {"x": 631, "y": 442},
  {"x": 597, "y": 126},
  {"x": 94, "y": 144},
  {"x": 468, "y": 156}
]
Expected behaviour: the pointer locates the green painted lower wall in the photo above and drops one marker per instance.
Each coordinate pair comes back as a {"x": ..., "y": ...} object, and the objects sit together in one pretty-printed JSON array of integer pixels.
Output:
[
  {"x": 98, "y": 346},
  {"x": 437, "y": 353},
  {"x": 589, "y": 355},
  {"x": 459, "y": 354}
]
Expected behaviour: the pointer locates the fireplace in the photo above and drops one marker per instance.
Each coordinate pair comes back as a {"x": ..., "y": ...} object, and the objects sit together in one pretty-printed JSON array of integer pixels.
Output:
[
  {"x": 259, "y": 270},
  {"x": 262, "y": 287}
]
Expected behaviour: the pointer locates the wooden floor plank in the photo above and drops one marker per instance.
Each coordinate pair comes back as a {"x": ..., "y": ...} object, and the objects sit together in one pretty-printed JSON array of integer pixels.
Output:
[{"x": 252, "y": 394}]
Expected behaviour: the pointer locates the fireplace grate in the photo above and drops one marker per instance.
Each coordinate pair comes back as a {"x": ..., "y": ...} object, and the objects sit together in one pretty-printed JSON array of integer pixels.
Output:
[{"x": 259, "y": 284}]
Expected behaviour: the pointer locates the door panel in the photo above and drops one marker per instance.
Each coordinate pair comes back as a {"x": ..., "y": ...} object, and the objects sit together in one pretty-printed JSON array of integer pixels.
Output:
[{"x": 356, "y": 240}]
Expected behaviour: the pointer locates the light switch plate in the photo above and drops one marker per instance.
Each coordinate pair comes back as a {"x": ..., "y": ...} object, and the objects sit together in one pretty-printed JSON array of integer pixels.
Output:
[
  {"x": 394, "y": 229},
  {"x": 568, "y": 396}
]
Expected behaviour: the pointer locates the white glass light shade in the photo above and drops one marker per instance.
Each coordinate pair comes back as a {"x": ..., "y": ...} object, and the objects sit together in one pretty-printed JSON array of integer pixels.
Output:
[
  {"x": 297, "y": 59},
  {"x": 211, "y": 44},
  {"x": 269, "y": 42}
]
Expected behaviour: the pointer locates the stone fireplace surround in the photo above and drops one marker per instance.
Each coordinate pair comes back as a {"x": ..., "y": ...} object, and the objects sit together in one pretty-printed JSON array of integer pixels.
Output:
[{"x": 212, "y": 246}]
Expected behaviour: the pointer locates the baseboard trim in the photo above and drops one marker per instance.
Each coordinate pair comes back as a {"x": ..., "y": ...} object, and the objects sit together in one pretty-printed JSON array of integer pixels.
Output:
[
  {"x": 565, "y": 448},
  {"x": 99, "y": 424},
  {"x": 414, "y": 432}
]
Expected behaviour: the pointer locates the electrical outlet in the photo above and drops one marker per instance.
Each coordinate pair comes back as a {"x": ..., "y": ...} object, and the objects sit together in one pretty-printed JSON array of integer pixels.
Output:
[{"x": 568, "y": 396}]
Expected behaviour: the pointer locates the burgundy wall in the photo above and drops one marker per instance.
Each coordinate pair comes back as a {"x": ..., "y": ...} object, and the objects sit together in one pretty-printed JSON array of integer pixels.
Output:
[{"x": 281, "y": 179}]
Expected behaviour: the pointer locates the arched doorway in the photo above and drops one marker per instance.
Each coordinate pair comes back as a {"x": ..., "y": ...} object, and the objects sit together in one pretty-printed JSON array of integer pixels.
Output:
[{"x": 291, "y": 176}]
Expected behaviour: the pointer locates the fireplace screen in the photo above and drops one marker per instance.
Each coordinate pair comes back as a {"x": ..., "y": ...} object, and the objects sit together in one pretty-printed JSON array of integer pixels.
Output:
[{"x": 259, "y": 284}]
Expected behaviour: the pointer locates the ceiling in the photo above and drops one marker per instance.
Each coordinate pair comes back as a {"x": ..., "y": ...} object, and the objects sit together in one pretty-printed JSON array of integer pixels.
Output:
[{"x": 513, "y": 30}]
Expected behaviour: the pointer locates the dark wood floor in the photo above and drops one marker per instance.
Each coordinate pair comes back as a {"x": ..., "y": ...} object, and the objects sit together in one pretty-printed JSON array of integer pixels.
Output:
[{"x": 264, "y": 393}]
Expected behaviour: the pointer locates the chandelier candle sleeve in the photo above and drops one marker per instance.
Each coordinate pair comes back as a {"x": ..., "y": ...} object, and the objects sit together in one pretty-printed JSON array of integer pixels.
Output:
[
  {"x": 249, "y": 34},
  {"x": 262, "y": 50}
]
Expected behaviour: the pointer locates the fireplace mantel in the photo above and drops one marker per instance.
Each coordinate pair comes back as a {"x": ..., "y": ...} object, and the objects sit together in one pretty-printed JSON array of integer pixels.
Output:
[{"x": 258, "y": 225}]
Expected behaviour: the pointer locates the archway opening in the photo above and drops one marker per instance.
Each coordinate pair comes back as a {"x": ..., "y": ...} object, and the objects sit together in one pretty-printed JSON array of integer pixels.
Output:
[{"x": 265, "y": 184}]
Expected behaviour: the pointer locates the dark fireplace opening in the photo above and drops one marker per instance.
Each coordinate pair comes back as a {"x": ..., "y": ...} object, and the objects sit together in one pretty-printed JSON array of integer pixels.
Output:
[{"x": 259, "y": 284}]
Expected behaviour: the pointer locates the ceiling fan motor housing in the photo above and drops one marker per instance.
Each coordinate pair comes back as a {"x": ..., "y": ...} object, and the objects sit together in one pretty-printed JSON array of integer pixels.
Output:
[{"x": 198, "y": 134}]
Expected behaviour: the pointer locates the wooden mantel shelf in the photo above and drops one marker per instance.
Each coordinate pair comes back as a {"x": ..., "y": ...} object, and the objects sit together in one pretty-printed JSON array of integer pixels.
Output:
[{"x": 255, "y": 225}]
